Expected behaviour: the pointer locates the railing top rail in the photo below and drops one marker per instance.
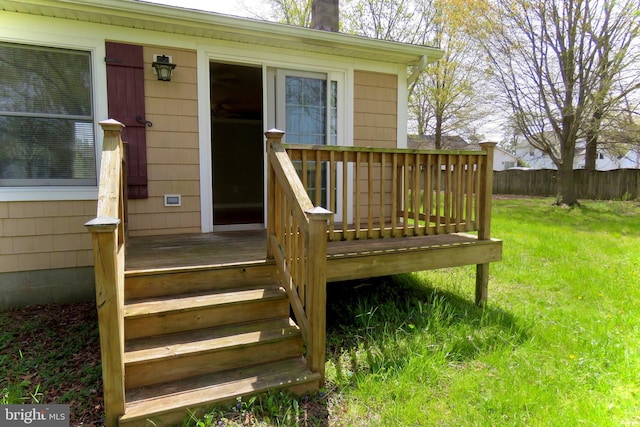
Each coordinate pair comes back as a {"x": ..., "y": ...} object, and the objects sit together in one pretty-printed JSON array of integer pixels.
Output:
[
  {"x": 285, "y": 172},
  {"x": 382, "y": 150}
]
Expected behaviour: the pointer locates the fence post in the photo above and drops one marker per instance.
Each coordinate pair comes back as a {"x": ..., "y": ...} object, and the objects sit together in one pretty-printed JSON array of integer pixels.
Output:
[
  {"x": 484, "y": 222},
  {"x": 317, "y": 289},
  {"x": 274, "y": 136}
]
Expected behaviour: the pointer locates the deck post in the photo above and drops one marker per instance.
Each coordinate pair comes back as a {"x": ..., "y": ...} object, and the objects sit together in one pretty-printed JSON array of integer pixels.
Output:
[
  {"x": 274, "y": 136},
  {"x": 484, "y": 221},
  {"x": 107, "y": 234},
  {"x": 317, "y": 289},
  {"x": 110, "y": 307}
]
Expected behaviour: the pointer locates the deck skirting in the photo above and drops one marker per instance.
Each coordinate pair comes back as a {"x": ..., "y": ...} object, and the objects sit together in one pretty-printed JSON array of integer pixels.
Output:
[{"x": 359, "y": 259}]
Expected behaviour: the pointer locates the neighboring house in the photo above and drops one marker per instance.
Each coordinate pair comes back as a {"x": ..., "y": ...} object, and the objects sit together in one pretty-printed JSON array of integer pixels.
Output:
[
  {"x": 448, "y": 142},
  {"x": 502, "y": 160},
  {"x": 536, "y": 159},
  {"x": 195, "y": 143},
  {"x": 631, "y": 160}
]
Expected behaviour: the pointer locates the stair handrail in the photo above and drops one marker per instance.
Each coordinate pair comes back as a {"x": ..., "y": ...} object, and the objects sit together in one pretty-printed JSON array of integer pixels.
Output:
[
  {"x": 297, "y": 241},
  {"x": 108, "y": 236}
]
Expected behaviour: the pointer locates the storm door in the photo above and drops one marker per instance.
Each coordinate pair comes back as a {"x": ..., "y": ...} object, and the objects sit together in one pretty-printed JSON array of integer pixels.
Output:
[{"x": 237, "y": 144}]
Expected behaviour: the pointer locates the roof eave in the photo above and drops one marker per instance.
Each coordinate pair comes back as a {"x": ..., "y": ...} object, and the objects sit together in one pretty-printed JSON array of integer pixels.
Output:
[{"x": 151, "y": 16}]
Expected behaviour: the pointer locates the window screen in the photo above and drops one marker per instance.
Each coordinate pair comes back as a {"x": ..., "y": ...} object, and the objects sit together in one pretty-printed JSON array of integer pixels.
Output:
[{"x": 46, "y": 117}]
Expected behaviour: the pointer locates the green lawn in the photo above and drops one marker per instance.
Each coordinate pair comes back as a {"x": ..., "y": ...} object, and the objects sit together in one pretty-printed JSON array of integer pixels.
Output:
[{"x": 557, "y": 345}]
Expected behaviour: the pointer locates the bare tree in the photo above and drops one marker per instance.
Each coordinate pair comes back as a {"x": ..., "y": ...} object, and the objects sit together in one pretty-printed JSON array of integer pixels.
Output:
[
  {"x": 545, "y": 55},
  {"x": 291, "y": 12},
  {"x": 406, "y": 21},
  {"x": 444, "y": 98}
]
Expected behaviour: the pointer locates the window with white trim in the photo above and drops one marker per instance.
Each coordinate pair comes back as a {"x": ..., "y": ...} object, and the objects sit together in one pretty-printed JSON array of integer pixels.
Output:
[
  {"x": 46, "y": 117},
  {"x": 308, "y": 113}
]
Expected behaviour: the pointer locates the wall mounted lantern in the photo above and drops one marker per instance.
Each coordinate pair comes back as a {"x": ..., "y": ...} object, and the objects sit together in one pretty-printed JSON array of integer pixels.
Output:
[{"x": 163, "y": 67}]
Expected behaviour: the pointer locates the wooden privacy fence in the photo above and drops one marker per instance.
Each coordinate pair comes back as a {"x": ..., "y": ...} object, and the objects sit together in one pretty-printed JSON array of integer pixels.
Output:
[
  {"x": 597, "y": 185},
  {"x": 379, "y": 193},
  {"x": 107, "y": 231},
  {"x": 297, "y": 241}
]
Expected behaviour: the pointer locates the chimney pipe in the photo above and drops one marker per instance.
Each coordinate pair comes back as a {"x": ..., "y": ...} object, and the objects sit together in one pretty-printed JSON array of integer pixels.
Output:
[{"x": 325, "y": 15}]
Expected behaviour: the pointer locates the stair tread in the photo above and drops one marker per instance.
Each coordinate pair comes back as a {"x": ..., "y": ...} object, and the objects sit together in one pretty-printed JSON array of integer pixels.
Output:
[
  {"x": 159, "y": 305},
  {"x": 210, "y": 389},
  {"x": 208, "y": 340}
]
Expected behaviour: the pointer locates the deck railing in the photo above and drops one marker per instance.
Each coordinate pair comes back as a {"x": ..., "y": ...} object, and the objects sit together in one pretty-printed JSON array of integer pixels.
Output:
[
  {"x": 107, "y": 231},
  {"x": 378, "y": 193},
  {"x": 297, "y": 240}
]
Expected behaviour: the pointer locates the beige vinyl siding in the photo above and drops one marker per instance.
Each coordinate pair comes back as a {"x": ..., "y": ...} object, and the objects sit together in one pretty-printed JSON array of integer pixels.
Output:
[
  {"x": 375, "y": 125},
  {"x": 375, "y": 109},
  {"x": 45, "y": 235},
  {"x": 172, "y": 149}
]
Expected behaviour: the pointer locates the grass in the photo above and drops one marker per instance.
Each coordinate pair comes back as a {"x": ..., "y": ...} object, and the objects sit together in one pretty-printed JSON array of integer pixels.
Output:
[{"x": 557, "y": 344}]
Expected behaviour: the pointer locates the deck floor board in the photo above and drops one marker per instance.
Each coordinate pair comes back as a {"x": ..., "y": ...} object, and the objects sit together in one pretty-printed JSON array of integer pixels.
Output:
[{"x": 240, "y": 247}]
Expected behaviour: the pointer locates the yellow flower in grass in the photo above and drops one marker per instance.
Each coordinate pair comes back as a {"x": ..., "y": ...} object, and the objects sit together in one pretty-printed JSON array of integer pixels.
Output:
[{"x": 572, "y": 356}]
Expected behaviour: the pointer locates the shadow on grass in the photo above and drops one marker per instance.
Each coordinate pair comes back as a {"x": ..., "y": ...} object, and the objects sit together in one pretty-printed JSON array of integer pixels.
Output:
[{"x": 380, "y": 325}]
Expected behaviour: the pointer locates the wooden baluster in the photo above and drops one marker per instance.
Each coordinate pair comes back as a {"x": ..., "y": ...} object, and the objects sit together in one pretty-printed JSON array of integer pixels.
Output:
[
  {"x": 439, "y": 172},
  {"x": 333, "y": 192},
  {"x": 468, "y": 193},
  {"x": 345, "y": 194},
  {"x": 447, "y": 196},
  {"x": 428, "y": 193},
  {"x": 459, "y": 190},
  {"x": 383, "y": 181},
  {"x": 370, "y": 195},
  {"x": 395, "y": 194},
  {"x": 357, "y": 194},
  {"x": 415, "y": 194},
  {"x": 318, "y": 180}
]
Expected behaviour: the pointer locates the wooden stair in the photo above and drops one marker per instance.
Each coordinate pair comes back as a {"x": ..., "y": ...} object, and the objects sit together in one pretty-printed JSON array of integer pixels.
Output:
[{"x": 195, "y": 338}]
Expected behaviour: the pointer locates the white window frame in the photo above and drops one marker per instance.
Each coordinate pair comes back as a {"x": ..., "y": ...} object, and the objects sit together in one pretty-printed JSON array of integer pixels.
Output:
[
  {"x": 61, "y": 35},
  {"x": 280, "y": 75}
]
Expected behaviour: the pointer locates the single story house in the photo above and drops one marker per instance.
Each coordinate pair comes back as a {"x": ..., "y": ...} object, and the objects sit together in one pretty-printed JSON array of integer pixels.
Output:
[
  {"x": 203, "y": 177},
  {"x": 607, "y": 159},
  {"x": 195, "y": 143}
]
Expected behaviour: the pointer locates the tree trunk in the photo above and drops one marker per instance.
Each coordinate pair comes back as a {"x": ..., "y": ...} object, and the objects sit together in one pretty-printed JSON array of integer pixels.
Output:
[
  {"x": 591, "y": 153},
  {"x": 438, "y": 135},
  {"x": 566, "y": 187}
]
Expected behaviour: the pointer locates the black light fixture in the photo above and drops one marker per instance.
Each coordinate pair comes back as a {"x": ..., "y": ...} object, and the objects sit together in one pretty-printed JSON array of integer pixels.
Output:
[{"x": 163, "y": 67}]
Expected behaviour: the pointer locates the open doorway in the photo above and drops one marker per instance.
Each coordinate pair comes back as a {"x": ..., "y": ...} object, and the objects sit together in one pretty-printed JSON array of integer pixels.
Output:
[{"x": 237, "y": 144}]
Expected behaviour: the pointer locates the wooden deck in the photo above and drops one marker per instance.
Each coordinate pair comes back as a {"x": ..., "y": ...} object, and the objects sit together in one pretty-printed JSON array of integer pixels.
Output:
[
  {"x": 346, "y": 260},
  {"x": 208, "y": 309}
]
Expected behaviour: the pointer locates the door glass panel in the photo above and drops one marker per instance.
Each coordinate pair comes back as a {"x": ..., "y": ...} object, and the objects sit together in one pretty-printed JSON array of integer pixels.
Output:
[
  {"x": 306, "y": 110},
  {"x": 306, "y": 123}
]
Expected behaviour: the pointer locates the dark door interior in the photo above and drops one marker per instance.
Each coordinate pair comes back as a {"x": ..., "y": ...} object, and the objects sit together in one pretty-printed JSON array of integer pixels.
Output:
[{"x": 237, "y": 144}]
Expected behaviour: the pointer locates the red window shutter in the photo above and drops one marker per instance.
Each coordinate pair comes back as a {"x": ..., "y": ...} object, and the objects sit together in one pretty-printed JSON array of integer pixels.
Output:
[{"x": 125, "y": 92}]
